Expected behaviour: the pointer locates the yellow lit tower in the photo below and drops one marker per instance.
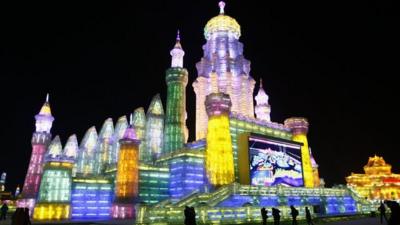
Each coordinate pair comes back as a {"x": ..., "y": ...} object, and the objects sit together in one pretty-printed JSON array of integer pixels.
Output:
[
  {"x": 126, "y": 184},
  {"x": 299, "y": 127},
  {"x": 223, "y": 66},
  {"x": 219, "y": 155}
]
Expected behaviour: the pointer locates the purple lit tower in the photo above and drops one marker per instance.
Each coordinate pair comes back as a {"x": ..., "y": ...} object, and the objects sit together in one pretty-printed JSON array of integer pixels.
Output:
[
  {"x": 40, "y": 141},
  {"x": 223, "y": 68}
]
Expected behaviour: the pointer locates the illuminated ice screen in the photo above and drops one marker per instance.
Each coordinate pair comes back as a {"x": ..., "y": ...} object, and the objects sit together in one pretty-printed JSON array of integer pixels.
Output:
[{"x": 275, "y": 162}]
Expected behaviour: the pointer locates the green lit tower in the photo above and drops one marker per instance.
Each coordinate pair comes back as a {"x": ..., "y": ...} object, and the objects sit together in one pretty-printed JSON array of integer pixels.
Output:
[{"x": 175, "y": 130}]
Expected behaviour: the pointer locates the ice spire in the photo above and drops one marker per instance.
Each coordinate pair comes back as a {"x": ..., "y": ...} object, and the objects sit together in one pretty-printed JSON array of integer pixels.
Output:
[
  {"x": 262, "y": 109},
  {"x": 154, "y": 129},
  {"x": 119, "y": 131},
  {"x": 89, "y": 140},
  {"x": 44, "y": 119},
  {"x": 55, "y": 148},
  {"x": 221, "y": 5},
  {"x": 130, "y": 132},
  {"x": 71, "y": 147},
  {"x": 177, "y": 53},
  {"x": 107, "y": 129}
]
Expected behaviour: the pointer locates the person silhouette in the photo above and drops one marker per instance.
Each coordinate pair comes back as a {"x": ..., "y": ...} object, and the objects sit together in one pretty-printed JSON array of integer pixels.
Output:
[
  {"x": 4, "y": 209},
  {"x": 294, "y": 212},
  {"x": 192, "y": 216},
  {"x": 276, "y": 215},
  {"x": 382, "y": 212},
  {"x": 186, "y": 212},
  {"x": 16, "y": 217},
  {"x": 25, "y": 217},
  {"x": 308, "y": 217},
  {"x": 395, "y": 212},
  {"x": 264, "y": 215}
]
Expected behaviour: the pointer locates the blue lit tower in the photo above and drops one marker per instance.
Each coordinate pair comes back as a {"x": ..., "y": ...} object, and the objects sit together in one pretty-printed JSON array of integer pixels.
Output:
[
  {"x": 40, "y": 141},
  {"x": 175, "y": 131}
]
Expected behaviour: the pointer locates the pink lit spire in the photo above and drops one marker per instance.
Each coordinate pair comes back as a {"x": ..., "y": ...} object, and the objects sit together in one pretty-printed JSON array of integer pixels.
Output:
[
  {"x": 263, "y": 109},
  {"x": 130, "y": 132},
  {"x": 221, "y": 5},
  {"x": 262, "y": 97},
  {"x": 178, "y": 36}
]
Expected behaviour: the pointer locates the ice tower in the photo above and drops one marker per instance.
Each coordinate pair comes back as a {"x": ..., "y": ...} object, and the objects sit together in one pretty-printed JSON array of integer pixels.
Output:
[
  {"x": 223, "y": 68},
  {"x": 40, "y": 141},
  {"x": 262, "y": 109},
  {"x": 127, "y": 179},
  {"x": 175, "y": 131}
]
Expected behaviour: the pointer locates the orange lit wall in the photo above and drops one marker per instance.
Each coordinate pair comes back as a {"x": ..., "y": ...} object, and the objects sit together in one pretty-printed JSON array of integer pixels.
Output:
[{"x": 127, "y": 177}]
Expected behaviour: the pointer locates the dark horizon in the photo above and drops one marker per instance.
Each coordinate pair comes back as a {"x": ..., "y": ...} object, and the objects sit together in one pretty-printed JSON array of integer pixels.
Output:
[{"x": 331, "y": 63}]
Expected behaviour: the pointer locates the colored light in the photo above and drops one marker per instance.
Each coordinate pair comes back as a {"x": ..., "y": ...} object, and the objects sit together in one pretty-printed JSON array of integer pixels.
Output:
[
  {"x": 49, "y": 211},
  {"x": 219, "y": 155},
  {"x": 127, "y": 179},
  {"x": 299, "y": 128},
  {"x": 127, "y": 172},
  {"x": 187, "y": 173},
  {"x": 44, "y": 119},
  {"x": 123, "y": 211},
  {"x": 153, "y": 183},
  {"x": 378, "y": 182},
  {"x": 55, "y": 187},
  {"x": 40, "y": 140},
  {"x": 91, "y": 199},
  {"x": 222, "y": 23}
]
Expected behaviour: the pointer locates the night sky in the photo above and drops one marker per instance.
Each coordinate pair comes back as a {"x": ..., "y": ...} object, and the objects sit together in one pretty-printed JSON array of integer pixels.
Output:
[{"x": 333, "y": 62}]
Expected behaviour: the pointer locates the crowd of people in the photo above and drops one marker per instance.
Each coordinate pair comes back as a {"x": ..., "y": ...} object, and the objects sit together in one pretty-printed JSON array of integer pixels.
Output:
[
  {"x": 276, "y": 215},
  {"x": 190, "y": 216},
  {"x": 19, "y": 217}
]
